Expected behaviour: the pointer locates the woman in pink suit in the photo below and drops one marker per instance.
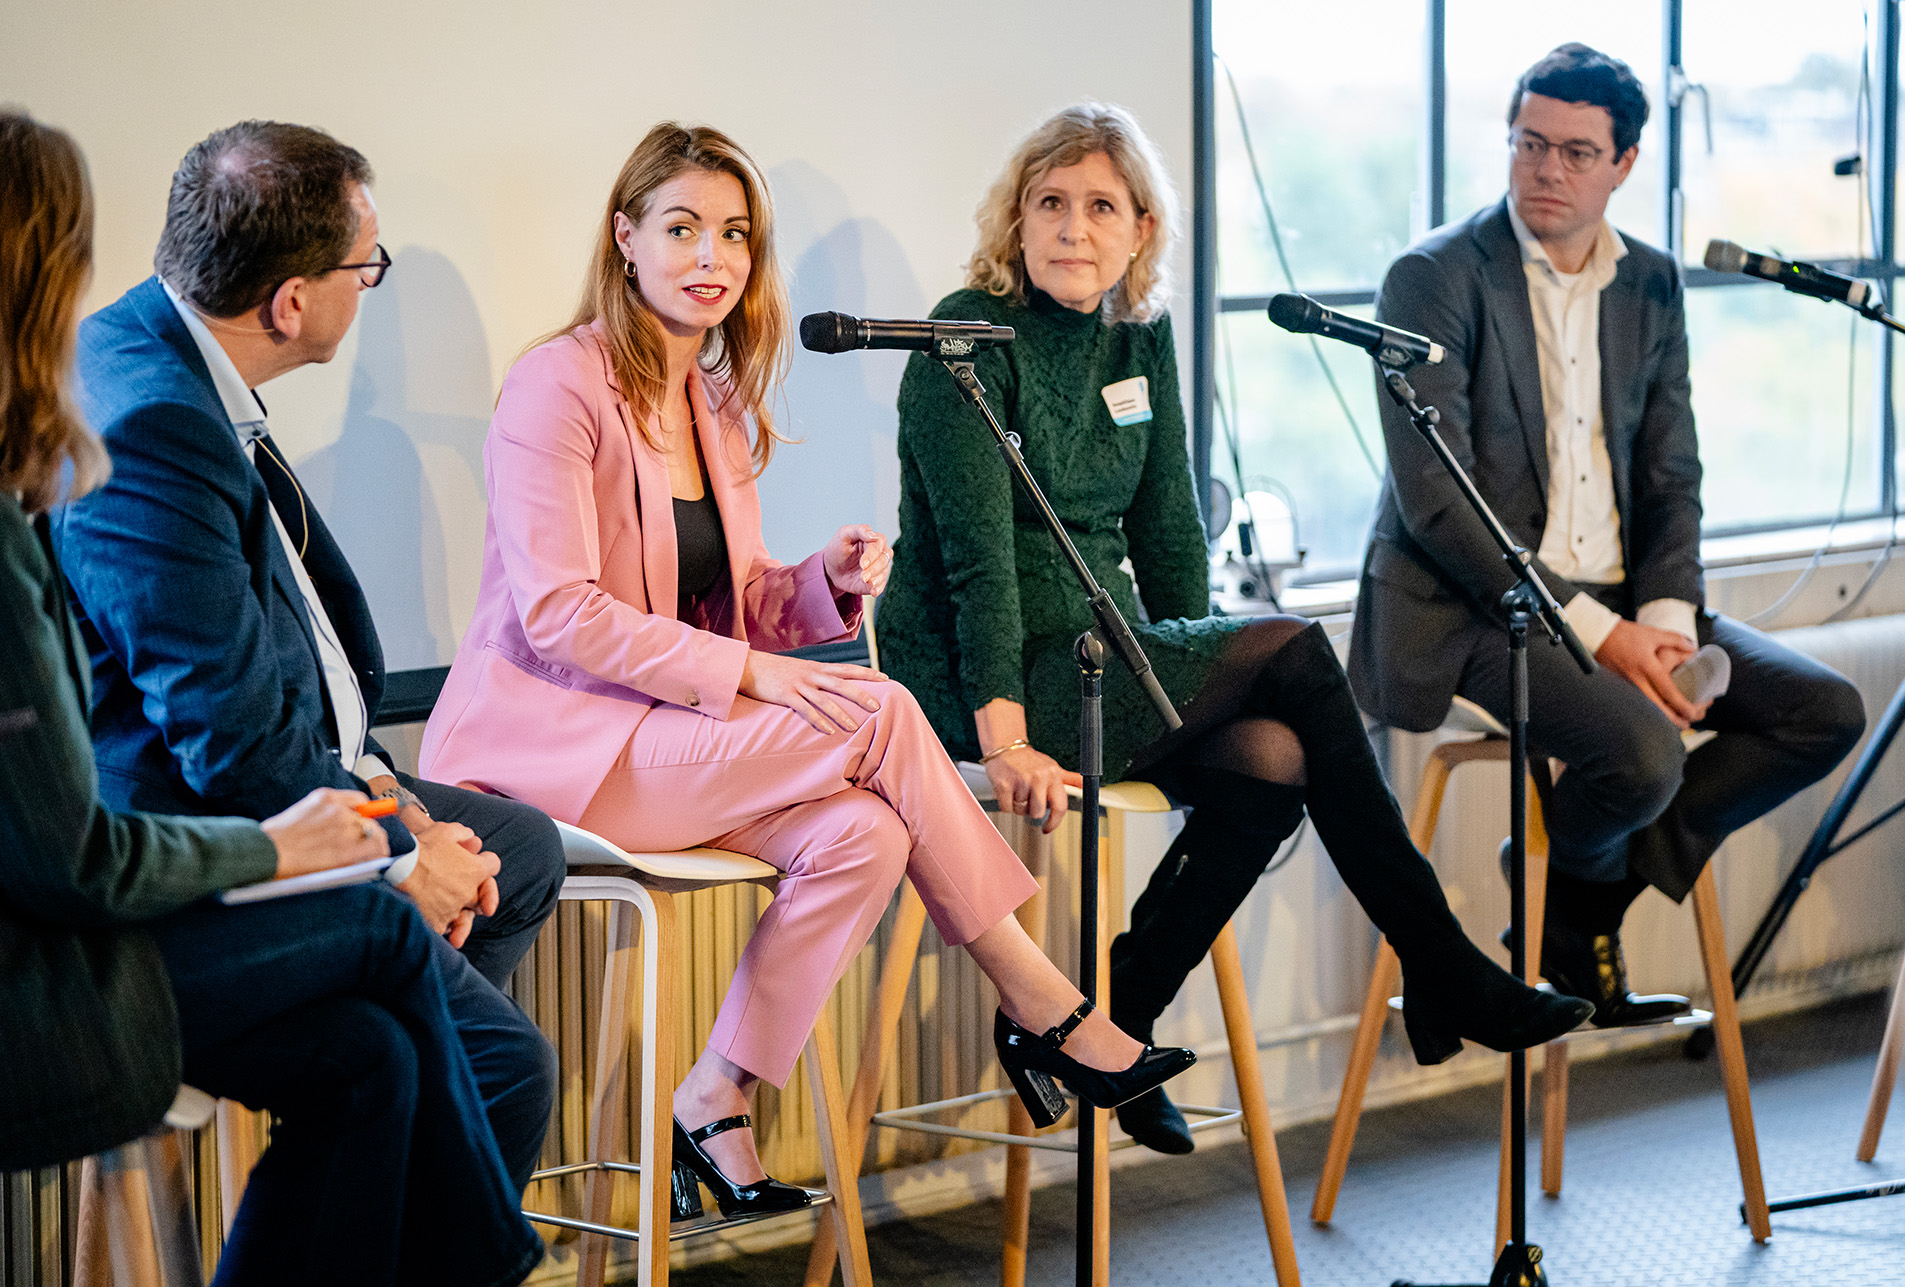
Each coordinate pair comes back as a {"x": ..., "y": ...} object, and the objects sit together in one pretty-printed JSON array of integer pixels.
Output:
[{"x": 621, "y": 670}]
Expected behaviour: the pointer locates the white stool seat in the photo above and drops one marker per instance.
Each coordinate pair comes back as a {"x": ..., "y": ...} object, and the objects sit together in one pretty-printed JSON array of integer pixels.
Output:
[
  {"x": 191, "y": 1109},
  {"x": 1466, "y": 717},
  {"x": 1132, "y": 797},
  {"x": 698, "y": 867}
]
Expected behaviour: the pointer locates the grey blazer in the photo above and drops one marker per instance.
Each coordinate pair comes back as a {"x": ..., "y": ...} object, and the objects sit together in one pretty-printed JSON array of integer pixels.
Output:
[
  {"x": 1432, "y": 578},
  {"x": 89, "y": 1035}
]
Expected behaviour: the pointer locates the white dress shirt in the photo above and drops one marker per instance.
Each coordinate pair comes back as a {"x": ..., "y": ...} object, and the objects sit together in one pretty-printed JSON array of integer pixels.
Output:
[
  {"x": 247, "y": 416},
  {"x": 1582, "y": 539}
]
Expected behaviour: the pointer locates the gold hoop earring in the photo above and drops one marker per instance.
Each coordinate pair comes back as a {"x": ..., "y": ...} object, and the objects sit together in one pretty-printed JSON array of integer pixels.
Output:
[
  {"x": 628, "y": 269},
  {"x": 1134, "y": 256}
]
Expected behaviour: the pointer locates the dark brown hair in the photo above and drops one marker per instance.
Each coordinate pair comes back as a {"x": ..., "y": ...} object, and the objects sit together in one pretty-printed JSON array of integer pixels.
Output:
[
  {"x": 253, "y": 206},
  {"x": 46, "y": 261},
  {"x": 1578, "y": 73}
]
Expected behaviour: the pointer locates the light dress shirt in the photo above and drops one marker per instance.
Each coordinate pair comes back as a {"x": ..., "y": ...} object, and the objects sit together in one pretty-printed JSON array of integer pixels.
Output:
[
  {"x": 247, "y": 415},
  {"x": 1582, "y": 539}
]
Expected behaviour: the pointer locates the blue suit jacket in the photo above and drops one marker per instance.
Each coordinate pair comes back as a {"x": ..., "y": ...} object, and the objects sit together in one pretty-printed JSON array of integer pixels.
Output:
[{"x": 208, "y": 694}]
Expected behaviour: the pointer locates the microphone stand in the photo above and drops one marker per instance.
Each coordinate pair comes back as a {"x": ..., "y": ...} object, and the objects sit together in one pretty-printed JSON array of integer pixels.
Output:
[
  {"x": 1089, "y": 652},
  {"x": 1519, "y": 1264}
]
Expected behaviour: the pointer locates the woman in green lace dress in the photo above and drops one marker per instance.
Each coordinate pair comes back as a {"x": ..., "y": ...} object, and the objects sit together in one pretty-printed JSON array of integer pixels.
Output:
[{"x": 981, "y": 612}]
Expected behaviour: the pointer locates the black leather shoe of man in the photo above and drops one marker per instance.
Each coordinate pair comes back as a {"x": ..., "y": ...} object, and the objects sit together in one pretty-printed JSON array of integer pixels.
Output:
[
  {"x": 1591, "y": 966},
  {"x": 1153, "y": 1121}
]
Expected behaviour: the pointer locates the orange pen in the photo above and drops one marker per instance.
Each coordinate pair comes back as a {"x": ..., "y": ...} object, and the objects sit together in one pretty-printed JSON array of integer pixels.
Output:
[{"x": 377, "y": 808}]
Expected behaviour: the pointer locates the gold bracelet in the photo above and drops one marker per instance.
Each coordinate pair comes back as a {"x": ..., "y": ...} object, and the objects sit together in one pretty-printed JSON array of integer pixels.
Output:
[{"x": 997, "y": 751}]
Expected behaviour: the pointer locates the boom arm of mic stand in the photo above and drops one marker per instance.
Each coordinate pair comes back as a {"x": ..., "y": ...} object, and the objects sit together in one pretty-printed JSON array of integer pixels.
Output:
[
  {"x": 1112, "y": 627},
  {"x": 1546, "y": 609}
]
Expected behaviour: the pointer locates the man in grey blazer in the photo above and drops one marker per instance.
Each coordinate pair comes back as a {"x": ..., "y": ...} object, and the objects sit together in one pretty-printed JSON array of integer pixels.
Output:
[{"x": 1565, "y": 394}]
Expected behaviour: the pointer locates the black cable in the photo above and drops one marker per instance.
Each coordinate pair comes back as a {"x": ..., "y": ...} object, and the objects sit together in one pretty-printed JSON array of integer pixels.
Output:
[{"x": 1289, "y": 277}]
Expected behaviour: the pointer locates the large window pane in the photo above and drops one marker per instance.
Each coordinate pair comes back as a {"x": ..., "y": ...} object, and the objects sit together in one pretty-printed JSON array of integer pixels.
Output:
[
  {"x": 1492, "y": 42},
  {"x": 1336, "y": 138},
  {"x": 1293, "y": 435},
  {"x": 1783, "y": 111},
  {"x": 1772, "y": 376}
]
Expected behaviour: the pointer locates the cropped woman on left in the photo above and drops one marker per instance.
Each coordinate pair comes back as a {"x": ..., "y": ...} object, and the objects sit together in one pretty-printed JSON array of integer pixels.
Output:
[{"x": 120, "y": 976}]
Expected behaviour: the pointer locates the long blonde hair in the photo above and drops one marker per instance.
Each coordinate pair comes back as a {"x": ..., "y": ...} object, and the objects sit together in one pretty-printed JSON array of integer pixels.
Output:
[
  {"x": 749, "y": 350},
  {"x": 46, "y": 260},
  {"x": 998, "y": 265}
]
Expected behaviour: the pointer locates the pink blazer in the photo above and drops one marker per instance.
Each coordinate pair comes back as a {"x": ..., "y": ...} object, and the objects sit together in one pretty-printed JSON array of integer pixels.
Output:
[{"x": 575, "y": 638}]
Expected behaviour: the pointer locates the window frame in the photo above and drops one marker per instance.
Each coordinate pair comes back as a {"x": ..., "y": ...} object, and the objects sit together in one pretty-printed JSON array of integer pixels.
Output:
[{"x": 1669, "y": 88}]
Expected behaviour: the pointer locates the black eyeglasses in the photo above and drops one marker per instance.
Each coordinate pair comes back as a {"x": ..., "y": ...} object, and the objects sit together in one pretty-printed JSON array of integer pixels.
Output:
[
  {"x": 1530, "y": 149},
  {"x": 372, "y": 273}
]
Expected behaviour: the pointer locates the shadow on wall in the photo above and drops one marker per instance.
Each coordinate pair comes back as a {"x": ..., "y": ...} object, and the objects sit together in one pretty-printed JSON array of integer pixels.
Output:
[
  {"x": 844, "y": 468},
  {"x": 402, "y": 487}
]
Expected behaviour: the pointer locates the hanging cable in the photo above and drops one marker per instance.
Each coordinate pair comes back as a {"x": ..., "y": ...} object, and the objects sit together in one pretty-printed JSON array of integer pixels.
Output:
[{"x": 1283, "y": 259}]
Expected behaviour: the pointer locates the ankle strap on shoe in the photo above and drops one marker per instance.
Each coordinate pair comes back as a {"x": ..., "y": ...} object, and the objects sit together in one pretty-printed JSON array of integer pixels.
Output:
[
  {"x": 1056, "y": 1036},
  {"x": 735, "y": 1123}
]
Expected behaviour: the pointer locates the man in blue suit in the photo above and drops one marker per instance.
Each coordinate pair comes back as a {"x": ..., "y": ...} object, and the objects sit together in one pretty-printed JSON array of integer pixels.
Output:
[{"x": 235, "y": 664}]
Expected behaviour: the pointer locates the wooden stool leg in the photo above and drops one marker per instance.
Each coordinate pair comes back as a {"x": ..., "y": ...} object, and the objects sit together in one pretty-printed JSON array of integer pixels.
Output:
[
  {"x": 237, "y": 1132},
  {"x": 1017, "y": 1215},
  {"x": 92, "y": 1265},
  {"x": 1554, "y": 1116},
  {"x": 1384, "y": 977},
  {"x": 605, "y": 1105},
  {"x": 843, "y": 1177},
  {"x": 876, "y": 1048},
  {"x": 1887, "y": 1071},
  {"x": 1242, "y": 1032},
  {"x": 1726, "y": 1036},
  {"x": 1534, "y": 912},
  {"x": 129, "y": 1234},
  {"x": 174, "y": 1220}
]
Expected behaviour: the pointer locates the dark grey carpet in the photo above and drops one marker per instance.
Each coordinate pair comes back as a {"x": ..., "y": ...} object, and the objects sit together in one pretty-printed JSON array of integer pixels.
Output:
[{"x": 1651, "y": 1196}]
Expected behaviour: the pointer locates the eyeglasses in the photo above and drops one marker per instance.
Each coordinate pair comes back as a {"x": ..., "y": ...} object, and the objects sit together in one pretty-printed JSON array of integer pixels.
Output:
[
  {"x": 1530, "y": 149},
  {"x": 372, "y": 273}
]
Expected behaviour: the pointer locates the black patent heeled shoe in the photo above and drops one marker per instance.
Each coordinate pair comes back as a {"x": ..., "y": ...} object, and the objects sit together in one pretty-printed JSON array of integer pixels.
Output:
[
  {"x": 1037, "y": 1062},
  {"x": 763, "y": 1197}
]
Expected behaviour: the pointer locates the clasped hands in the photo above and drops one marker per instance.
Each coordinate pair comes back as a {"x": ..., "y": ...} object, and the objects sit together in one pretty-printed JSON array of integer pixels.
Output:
[
  {"x": 1646, "y": 657},
  {"x": 454, "y": 881}
]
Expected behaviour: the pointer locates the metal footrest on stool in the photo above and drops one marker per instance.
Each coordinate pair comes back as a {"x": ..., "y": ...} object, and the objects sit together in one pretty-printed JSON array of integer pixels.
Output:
[
  {"x": 1691, "y": 1019},
  {"x": 903, "y": 1119},
  {"x": 676, "y": 1232}
]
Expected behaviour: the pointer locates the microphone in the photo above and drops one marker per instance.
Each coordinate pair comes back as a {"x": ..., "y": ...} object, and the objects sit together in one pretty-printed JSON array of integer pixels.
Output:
[
  {"x": 1801, "y": 279},
  {"x": 1391, "y": 347},
  {"x": 836, "y": 333}
]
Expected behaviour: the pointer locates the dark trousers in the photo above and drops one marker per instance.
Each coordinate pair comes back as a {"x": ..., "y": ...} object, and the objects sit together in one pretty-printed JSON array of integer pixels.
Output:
[
  {"x": 408, "y": 1096},
  {"x": 1632, "y": 799},
  {"x": 530, "y": 850}
]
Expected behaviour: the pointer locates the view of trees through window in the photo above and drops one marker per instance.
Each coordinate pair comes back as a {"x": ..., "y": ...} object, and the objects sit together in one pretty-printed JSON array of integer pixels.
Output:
[{"x": 1334, "y": 102}]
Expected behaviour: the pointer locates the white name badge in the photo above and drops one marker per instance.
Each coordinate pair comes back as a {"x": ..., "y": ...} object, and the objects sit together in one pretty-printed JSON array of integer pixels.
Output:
[{"x": 1129, "y": 400}]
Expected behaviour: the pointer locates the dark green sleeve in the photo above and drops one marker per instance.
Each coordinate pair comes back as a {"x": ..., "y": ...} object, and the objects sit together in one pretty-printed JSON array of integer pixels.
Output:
[
  {"x": 1166, "y": 538},
  {"x": 969, "y": 491},
  {"x": 66, "y": 859}
]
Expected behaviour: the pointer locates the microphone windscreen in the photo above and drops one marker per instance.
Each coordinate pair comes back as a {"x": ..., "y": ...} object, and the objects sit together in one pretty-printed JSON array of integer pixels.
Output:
[
  {"x": 829, "y": 332},
  {"x": 1297, "y": 313},
  {"x": 1725, "y": 257}
]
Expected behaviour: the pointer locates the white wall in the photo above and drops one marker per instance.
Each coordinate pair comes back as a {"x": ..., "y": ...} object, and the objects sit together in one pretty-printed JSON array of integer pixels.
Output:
[{"x": 496, "y": 129}]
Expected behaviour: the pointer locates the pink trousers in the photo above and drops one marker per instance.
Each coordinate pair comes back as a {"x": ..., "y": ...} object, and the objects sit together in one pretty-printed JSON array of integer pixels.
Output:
[{"x": 844, "y": 816}]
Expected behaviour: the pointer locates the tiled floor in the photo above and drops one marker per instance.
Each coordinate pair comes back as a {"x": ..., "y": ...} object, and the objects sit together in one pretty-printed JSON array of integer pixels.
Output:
[{"x": 1651, "y": 1198}]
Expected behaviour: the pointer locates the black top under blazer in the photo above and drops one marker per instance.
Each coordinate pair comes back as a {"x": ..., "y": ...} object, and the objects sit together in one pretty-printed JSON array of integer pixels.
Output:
[{"x": 1432, "y": 578}]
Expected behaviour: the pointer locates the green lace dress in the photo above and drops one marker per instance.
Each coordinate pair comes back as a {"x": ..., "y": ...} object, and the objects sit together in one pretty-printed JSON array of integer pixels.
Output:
[{"x": 981, "y": 603}]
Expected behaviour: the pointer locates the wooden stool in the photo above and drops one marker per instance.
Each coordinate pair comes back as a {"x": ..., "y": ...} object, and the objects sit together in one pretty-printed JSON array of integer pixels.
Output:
[
  {"x": 135, "y": 1206},
  {"x": 1386, "y": 975},
  {"x": 600, "y": 871},
  {"x": 1116, "y": 801},
  {"x": 1886, "y": 1073}
]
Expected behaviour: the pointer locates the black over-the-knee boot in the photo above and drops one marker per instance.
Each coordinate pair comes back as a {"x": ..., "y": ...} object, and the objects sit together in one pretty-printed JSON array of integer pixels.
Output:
[
  {"x": 1451, "y": 989},
  {"x": 1235, "y": 827}
]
